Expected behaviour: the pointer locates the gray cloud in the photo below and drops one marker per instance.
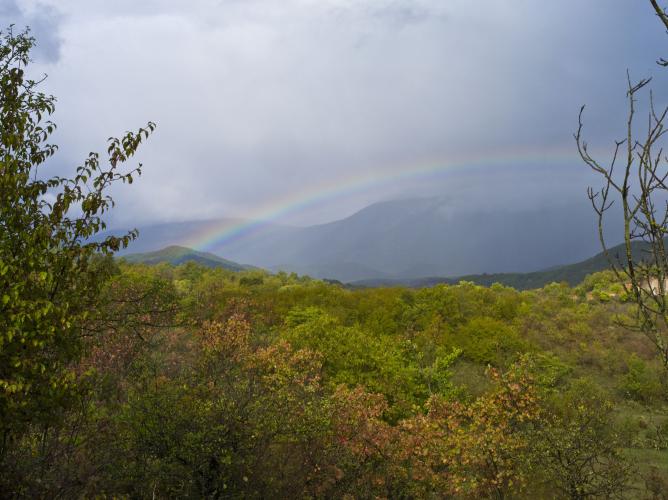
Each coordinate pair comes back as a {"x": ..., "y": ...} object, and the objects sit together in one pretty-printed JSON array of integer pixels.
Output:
[
  {"x": 43, "y": 20},
  {"x": 9, "y": 8},
  {"x": 259, "y": 102}
]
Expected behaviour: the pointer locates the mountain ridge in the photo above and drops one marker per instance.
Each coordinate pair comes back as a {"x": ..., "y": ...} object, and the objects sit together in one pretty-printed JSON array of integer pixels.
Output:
[
  {"x": 402, "y": 239},
  {"x": 573, "y": 274}
]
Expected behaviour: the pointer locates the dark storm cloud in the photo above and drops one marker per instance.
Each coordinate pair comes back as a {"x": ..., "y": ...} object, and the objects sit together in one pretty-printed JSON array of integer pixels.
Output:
[
  {"x": 44, "y": 26},
  {"x": 262, "y": 101},
  {"x": 43, "y": 20}
]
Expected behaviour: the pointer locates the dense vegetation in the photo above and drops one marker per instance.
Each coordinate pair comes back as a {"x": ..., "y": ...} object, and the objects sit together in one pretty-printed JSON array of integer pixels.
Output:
[
  {"x": 121, "y": 380},
  {"x": 199, "y": 382}
]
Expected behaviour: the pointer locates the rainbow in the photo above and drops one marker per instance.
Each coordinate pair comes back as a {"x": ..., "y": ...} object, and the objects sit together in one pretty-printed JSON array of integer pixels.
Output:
[{"x": 216, "y": 235}]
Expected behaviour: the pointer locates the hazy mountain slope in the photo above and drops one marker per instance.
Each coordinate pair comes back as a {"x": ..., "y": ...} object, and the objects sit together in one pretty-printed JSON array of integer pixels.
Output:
[
  {"x": 404, "y": 239},
  {"x": 178, "y": 255},
  {"x": 413, "y": 238},
  {"x": 572, "y": 274}
]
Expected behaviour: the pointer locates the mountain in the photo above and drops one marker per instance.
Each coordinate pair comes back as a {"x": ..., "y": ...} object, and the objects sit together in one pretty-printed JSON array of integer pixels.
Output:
[
  {"x": 402, "y": 239},
  {"x": 572, "y": 274},
  {"x": 178, "y": 255}
]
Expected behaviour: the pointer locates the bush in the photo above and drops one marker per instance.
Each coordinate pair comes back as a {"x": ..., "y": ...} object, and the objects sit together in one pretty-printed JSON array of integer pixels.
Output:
[{"x": 640, "y": 382}]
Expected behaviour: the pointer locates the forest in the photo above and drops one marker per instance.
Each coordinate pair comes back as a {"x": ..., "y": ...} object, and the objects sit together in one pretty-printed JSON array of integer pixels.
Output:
[
  {"x": 122, "y": 379},
  {"x": 208, "y": 383}
]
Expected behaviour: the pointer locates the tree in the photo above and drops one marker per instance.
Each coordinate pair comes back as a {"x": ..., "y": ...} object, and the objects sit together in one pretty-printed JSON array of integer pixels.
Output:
[
  {"x": 51, "y": 269},
  {"x": 576, "y": 447},
  {"x": 640, "y": 186},
  {"x": 663, "y": 16}
]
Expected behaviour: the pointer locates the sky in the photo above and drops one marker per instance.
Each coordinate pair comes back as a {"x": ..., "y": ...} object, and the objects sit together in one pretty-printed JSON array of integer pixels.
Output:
[{"x": 304, "y": 111}]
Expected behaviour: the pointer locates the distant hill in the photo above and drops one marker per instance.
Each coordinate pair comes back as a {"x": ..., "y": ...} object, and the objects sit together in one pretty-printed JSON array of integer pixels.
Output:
[
  {"x": 179, "y": 255},
  {"x": 401, "y": 239},
  {"x": 572, "y": 274}
]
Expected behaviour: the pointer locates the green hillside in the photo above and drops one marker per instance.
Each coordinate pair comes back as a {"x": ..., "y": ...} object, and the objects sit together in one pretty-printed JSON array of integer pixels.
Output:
[{"x": 179, "y": 255}]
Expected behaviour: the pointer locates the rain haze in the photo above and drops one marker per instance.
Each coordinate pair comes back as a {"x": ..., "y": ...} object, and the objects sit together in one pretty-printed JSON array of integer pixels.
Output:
[{"x": 325, "y": 106}]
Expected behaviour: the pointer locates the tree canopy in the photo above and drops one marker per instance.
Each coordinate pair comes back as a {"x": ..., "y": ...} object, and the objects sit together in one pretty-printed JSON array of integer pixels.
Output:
[{"x": 51, "y": 269}]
